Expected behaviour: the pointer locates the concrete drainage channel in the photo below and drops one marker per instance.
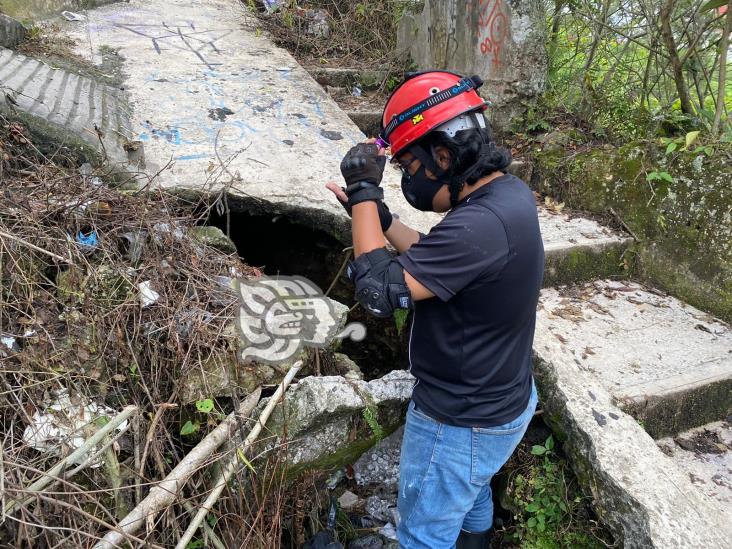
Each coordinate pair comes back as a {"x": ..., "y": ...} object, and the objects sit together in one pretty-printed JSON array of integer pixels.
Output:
[{"x": 610, "y": 354}]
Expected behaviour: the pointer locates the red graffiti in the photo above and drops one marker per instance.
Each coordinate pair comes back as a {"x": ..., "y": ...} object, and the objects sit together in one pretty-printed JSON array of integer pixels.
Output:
[{"x": 492, "y": 28}]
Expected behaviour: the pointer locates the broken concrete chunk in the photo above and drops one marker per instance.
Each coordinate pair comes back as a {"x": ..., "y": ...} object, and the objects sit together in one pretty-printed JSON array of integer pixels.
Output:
[
  {"x": 322, "y": 416},
  {"x": 348, "y": 501},
  {"x": 12, "y": 32},
  {"x": 214, "y": 237}
]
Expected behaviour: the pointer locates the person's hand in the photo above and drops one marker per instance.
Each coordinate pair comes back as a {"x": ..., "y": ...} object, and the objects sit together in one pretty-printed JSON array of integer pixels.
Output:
[
  {"x": 385, "y": 216},
  {"x": 364, "y": 163},
  {"x": 363, "y": 169}
]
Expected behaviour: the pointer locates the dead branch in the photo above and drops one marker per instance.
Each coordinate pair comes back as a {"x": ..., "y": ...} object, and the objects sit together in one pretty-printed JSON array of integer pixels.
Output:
[
  {"x": 162, "y": 495},
  {"x": 230, "y": 466}
]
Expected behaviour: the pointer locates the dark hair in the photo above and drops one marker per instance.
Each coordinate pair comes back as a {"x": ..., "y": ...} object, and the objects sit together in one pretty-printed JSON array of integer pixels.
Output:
[{"x": 465, "y": 149}]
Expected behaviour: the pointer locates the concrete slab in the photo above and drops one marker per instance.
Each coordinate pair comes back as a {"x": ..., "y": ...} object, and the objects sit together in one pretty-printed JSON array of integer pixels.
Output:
[
  {"x": 221, "y": 106},
  {"x": 666, "y": 363},
  {"x": 639, "y": 492},
  {"x": 64, "y": 106},
  {"x": 705, "y": 455}
]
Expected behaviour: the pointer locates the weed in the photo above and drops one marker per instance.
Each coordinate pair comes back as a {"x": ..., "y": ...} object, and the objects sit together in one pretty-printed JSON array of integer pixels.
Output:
[{"x": 548, "y": 506}]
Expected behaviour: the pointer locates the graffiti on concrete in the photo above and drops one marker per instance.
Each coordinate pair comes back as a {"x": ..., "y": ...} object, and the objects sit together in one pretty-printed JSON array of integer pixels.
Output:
[
  {"x": 492, "y": 27},
  {"x": 180, "y": 37}
]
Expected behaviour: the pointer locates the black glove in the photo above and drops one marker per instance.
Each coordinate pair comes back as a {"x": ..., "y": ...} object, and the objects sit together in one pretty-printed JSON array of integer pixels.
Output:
[
  {"x": 363, "y": 163},
  {"x": 362, "y": 169},
  {"x": 385, "y": 216}
]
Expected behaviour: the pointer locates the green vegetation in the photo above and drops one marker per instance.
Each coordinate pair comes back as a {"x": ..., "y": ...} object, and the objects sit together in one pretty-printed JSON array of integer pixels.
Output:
[
  {"x": 637, "y": 69},
  {"x": 549, "y": 510}
]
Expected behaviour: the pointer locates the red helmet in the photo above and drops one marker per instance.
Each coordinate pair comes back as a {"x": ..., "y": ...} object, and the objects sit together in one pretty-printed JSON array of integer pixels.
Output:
[{"x": 424, "y": 101}]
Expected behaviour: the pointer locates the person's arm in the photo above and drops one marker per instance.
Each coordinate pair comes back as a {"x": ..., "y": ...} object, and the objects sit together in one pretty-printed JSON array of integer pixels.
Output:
[
  {"x": 366, "y": 228},
  {"x": 367, "y": 236},
  {"x": 401, "y": 236}
]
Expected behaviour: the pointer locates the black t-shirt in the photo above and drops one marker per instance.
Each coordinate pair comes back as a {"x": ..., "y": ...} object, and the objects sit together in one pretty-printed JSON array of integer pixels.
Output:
[{"x": 470, "y": 346}]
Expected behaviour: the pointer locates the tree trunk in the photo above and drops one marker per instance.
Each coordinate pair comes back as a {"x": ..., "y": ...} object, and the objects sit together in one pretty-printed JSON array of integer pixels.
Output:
[
  {"x": 588, "y": 94},
  {"x": 723, "y": 46},
  {"x": 668, "y": 39}
]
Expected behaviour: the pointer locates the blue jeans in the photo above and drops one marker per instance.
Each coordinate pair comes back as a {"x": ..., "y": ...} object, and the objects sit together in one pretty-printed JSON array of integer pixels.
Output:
[{"x": 445, "y": 474}]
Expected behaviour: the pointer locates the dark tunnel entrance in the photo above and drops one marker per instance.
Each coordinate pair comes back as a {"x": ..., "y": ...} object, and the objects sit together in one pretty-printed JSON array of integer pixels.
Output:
[{"x": 278, "y": 245}]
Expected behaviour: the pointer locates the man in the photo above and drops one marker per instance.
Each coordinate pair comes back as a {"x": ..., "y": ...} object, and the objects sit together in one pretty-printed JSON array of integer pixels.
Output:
[{"x": 473, "y": 283}]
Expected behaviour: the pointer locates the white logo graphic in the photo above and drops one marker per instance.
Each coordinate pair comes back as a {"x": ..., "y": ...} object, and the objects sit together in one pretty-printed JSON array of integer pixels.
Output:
[{"x": 279, "y": 315}]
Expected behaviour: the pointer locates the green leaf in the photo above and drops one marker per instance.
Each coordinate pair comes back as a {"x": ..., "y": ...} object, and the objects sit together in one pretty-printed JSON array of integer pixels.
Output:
[
  {"x": 713, "y": 5},
  {"x": 691, "y": 137},
  {"x": 243, "y": 457},
  {"x": 549, "y": 444},
  {"x": 671, "y": 147},
  {"x": 400, "y": 318},
  {"x": 531, "y": 523},
  {"x": 205, "y": 406},
  {"x": 532, "y": 507},
  {"x": 189, "y": 428},
  {"x": 538, "y": 450},
  {"x": 666, "y": 177}
]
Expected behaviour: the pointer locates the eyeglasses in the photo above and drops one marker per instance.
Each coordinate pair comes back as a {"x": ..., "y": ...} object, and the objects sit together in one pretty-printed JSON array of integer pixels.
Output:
[{"x": 404, "y": 166}]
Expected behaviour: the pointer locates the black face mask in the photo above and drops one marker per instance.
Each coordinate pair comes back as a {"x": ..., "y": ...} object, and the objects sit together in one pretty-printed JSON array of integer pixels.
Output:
[{"x": 420, "y": 190}]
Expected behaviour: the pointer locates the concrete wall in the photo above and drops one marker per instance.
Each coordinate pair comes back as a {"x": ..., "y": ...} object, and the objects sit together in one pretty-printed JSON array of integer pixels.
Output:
[{"x": 503, "y": 41}]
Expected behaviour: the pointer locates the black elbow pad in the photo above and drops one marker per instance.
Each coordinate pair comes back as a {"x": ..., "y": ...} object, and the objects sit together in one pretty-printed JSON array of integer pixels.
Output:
[{"x": 379, "y": 281}]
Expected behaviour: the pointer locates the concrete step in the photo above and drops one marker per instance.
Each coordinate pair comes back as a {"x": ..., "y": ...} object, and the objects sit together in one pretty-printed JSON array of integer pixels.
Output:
[
  {"x": 220, "y": 91},
  {"x": 705, "y": 455},
  {"x": 606, "y": 348},
  {"x": 664, "y": 362},
  {"x": 369, "y": 122},
  {"x": 366, "y": 79},
  {"x": 64, "y": 107}
]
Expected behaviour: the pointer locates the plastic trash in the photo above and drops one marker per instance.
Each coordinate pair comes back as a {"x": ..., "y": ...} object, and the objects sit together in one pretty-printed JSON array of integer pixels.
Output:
[
  {"x": 148, "y": 296},
  {"x": 271, "y": 5},
  {"x": 71, "y": 16},
  {"x": 9, "y": 342},
  {"x": 135, "y": 245},
  {"x": 388, "y": 531},
  {"x": 89, "y": 241},
  {"x": 65, "y": 424},
  {"x": 356, "y": 92},
  {"x": 335, "y": 478}
]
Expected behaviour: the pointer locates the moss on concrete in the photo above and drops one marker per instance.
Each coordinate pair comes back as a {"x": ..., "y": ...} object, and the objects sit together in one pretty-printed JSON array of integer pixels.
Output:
[
  {"x": 49, "y": 138},
  {"x": 684, "y": 226},
  {"x": 671, "y": 414},
  {"x": 587, "y": 263}
]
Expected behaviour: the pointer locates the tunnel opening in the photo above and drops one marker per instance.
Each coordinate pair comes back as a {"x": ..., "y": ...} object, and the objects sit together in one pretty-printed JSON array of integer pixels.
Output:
[{"x": 280, "y": 245}]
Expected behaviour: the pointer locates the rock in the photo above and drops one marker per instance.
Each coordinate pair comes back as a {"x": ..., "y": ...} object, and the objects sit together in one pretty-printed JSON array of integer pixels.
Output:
[
  {"x": 347, "y": 367},
  {"x": 382, "y": 508},
  {"x": 555, "y": 141},
  {"x": 348, "y": 501},
  {"x": 322, "y": 540},
  {"x": 500, "y": 41},
  {"x": 322, "y": 417},
  {"x": 372, "y": 541},
  {"x": 214, "y": 237},
  {"x": 380, "y": 465},
  {"x": 12, "y": 32}
]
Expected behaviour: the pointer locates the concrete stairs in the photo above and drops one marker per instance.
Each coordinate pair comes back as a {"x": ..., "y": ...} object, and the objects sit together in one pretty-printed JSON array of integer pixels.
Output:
[
  {"x": 68, "y": 107},
  {"x": 221, "y": 108}
]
